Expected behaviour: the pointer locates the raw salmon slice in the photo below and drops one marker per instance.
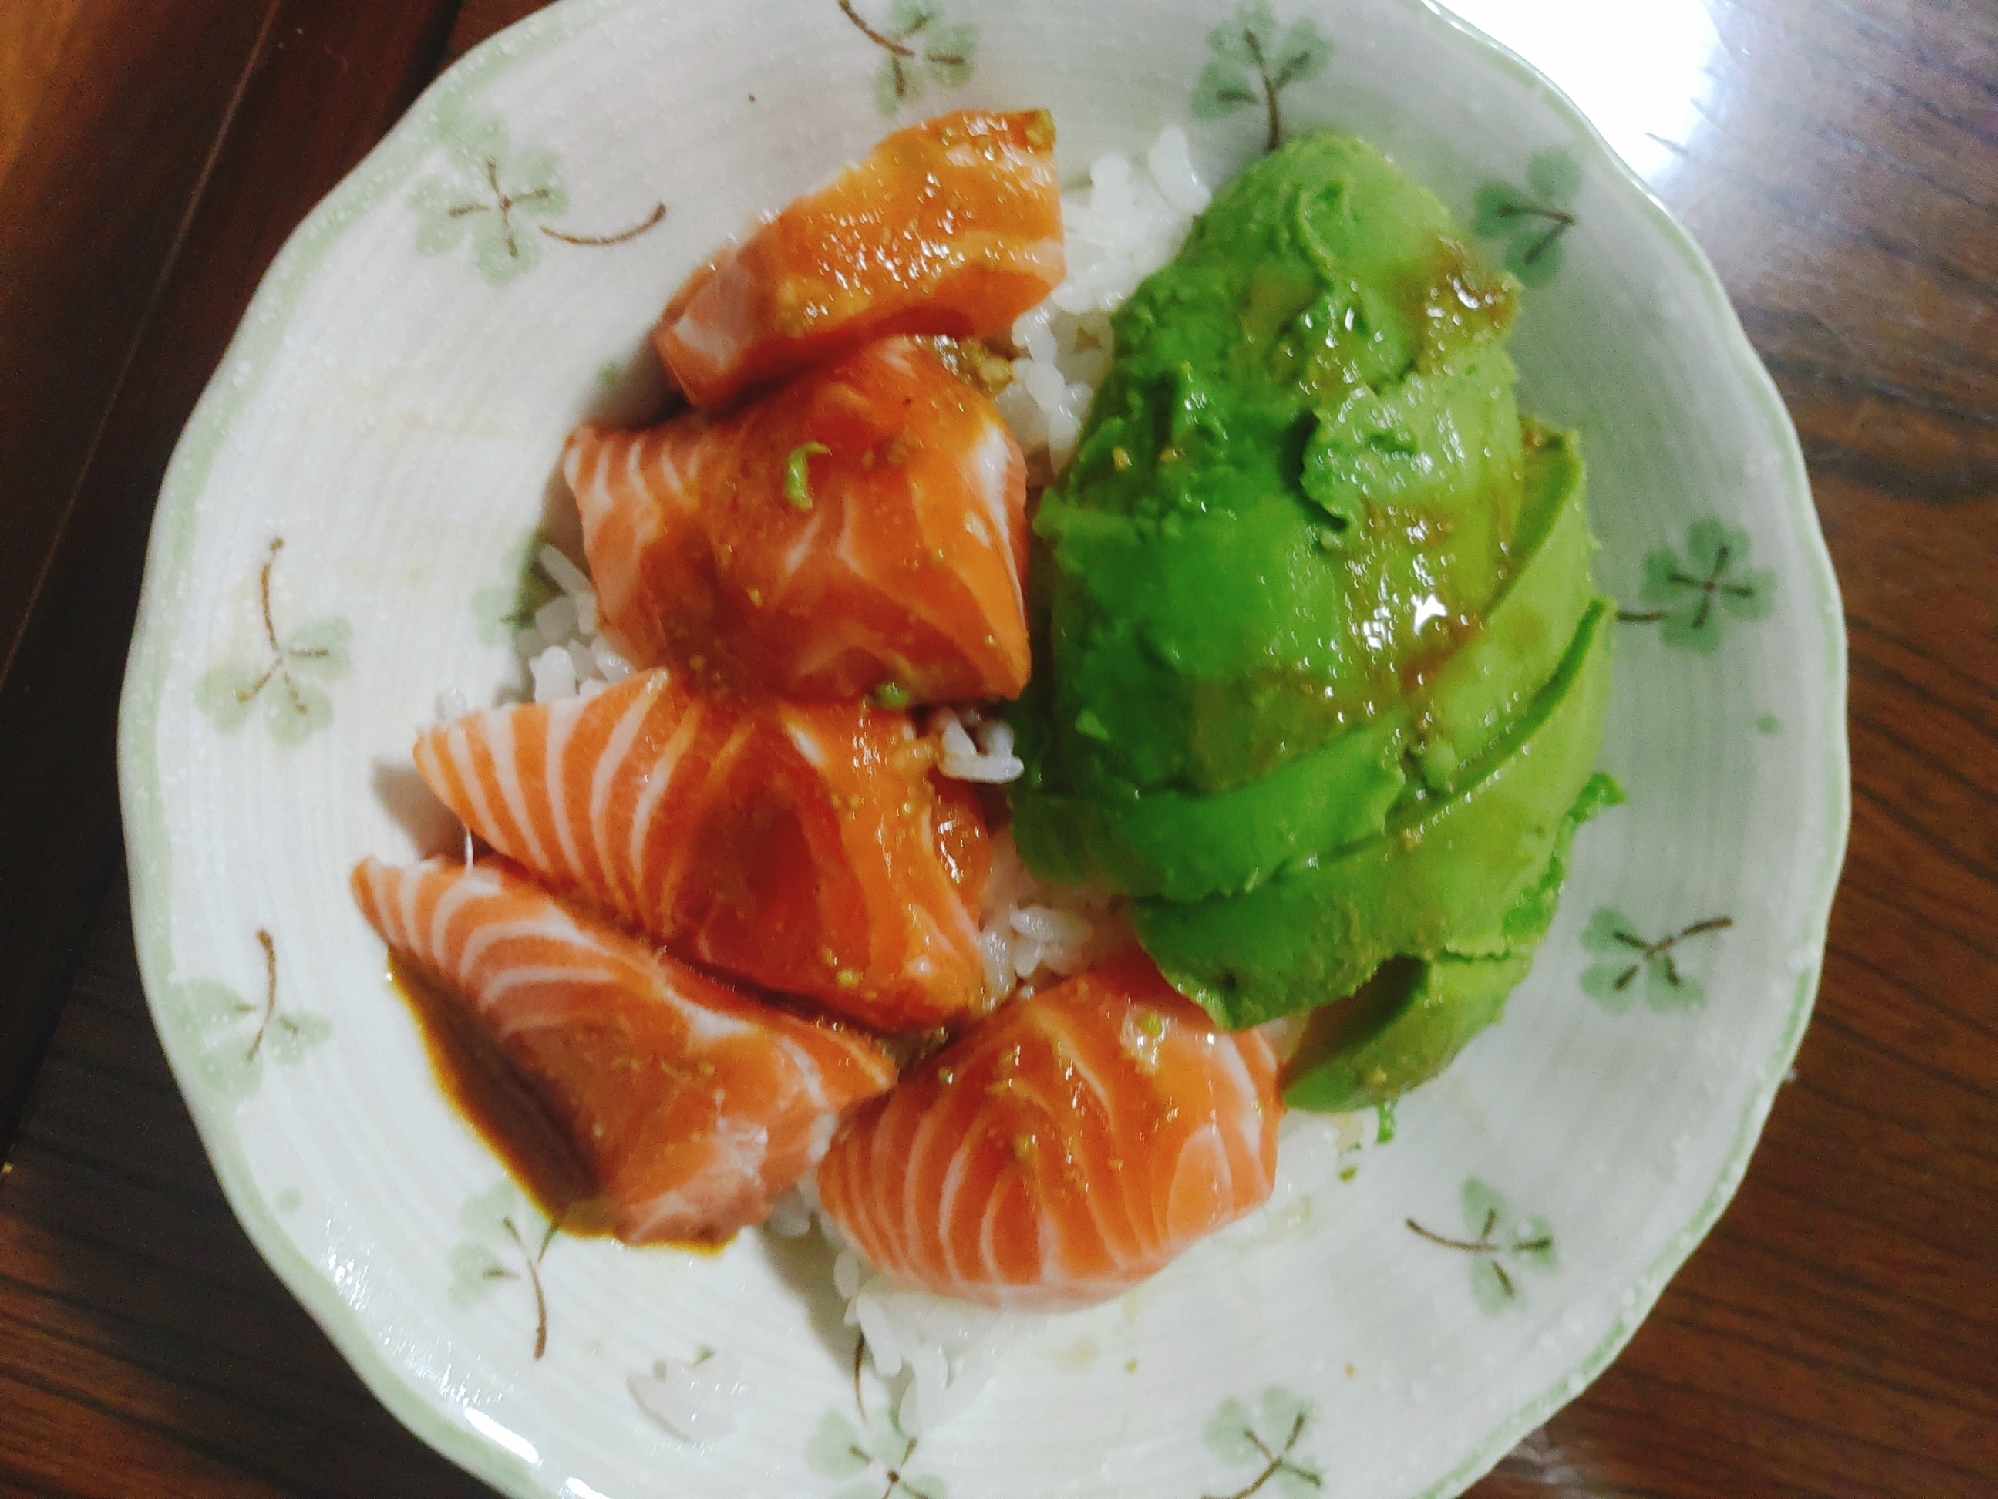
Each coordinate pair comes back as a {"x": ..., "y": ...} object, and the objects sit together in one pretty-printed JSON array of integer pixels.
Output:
[
  {"x": 952, "y": 226},
  {"x": 1063, "y": 1149},
  {"x": 860, "y": 529},
  {"x": 804, "y": 847},
  {"x": 693, "y": 1105}
]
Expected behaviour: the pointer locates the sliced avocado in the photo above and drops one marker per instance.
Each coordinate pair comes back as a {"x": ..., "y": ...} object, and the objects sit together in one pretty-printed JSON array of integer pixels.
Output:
[
  {"x": 1474, "y": 696},
  {"x": 1201, "y": 648},
  {"x": 1445, "y": 867},
  {"x": 1319, "y": 670},
  {"x": 1298, "y": 486},
  {"x": 1407, "y": 1022},
  {"x": 1400, "y": 1028},
  {"x": 1191, "y": 847},
  {"x": 1187, "y": 848},
  {"x": 1421, "y": 442}
]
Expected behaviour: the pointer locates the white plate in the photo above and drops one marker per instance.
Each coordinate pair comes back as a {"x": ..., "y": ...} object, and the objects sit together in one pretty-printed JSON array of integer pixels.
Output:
[{"x": 391, "y": 411}]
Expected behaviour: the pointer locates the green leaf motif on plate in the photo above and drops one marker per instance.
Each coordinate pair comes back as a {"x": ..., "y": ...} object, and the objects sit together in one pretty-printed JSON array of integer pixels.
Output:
[
  {"x": 877, "y": 1457},
  {"x": 919, "y": 44},
  {"x": 1499, "y": 1244},
  {"x": 1269, "y": 1440},
  {"x": 233, "y": 1037},
  {"x": 1623, "y": 956},
  {"x": 278, "y": 686},
  {"x": 213, "y": 1013},
  {"x": 488, "y": 195},
  {"x": 507, "y": 608},
  {"x": 1254, "y": 61},
  {"x": 1688, "y": 597},
  {"x": 505, "y": 1240},
  {"x": 475, "y": 1273},
  {"x": 1533, "y": 220}
]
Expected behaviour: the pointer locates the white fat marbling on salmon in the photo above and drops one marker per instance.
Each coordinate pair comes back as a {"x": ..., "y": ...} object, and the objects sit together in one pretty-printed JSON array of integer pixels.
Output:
[
  {"x": 656, "y": 801},
  {"x": 609, "y": 868},
  {"x": 991, "y": 464},
  {"x": 1033, "y": 1164},
  {"x": 506, "y": 777}
]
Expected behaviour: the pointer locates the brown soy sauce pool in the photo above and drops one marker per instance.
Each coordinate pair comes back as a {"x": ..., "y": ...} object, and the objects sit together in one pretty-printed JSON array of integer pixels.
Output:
[{"x": 488, "y": 1094}]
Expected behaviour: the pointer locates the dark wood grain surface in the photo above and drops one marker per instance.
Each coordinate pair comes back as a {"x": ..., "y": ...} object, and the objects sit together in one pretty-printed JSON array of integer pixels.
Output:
[{"x": 1837, "y": 1335}]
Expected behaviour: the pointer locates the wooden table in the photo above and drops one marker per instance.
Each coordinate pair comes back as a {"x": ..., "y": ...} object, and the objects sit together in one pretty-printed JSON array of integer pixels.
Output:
[{"x": 1838, "y": 1333}]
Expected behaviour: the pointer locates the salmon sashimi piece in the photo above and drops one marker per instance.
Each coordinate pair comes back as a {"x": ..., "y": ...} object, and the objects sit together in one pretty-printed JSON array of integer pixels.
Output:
[
  {"x": 952, "y": 226},
  {"x": 693, "y": 1105},
  {"x": 861, "y": 529},
  {"x": 804, "y": 847},
  {"x": 1063, "y": 1149}
]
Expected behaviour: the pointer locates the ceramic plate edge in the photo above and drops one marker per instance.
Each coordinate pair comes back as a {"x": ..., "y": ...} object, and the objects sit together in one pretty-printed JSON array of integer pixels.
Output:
[{"x": 149, "y": 859}]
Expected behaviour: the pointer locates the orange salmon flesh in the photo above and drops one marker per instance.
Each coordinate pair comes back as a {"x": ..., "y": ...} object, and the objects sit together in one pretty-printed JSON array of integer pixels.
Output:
[
  {"x": 805, "y": 848},
  {"x": 694, "y": 1105},
  {"x": 952, "y": 226},
  {"x": 1062, "y": 1150},
  {"x": 861, "y": 528}
]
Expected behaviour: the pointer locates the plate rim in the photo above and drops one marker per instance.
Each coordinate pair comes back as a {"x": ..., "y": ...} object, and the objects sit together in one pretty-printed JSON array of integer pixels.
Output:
[{"x": 162, "y": 607}]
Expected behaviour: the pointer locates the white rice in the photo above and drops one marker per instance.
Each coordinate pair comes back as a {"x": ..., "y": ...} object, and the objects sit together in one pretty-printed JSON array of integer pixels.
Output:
[
  {"x": 1034, "y": 934},
  {"x": 932, "y": 1352},
  {"x": 1128, "y": 222},
  {"x": 973, "y": 747},
  {"x": 936, "y": 1353},
  {"x": 563, "y": 651}
]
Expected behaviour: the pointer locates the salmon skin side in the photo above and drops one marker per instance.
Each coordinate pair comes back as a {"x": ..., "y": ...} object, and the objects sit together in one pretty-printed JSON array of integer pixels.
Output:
[
  {"x": 951, "y": 226},
  {"x": 693, "y": 1105},
  {"x": 1063, "y": 1149},
  {"x": 860, "y": 529},
  {"x": 806, "y": 848}
]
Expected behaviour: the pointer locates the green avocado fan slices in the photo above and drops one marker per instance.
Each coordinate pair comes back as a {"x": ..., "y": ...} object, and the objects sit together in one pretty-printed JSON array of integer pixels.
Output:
[
  {"x": 1320, "y": 672},
  {"x": 1413, "y": 1015},
  {"x": 1187, "y": 847},
  {"x": 1439, "y": 879}
]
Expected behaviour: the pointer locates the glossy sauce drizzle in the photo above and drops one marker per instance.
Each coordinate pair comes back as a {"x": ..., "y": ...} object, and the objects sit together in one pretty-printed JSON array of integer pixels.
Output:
[{"x": 488, "y": 1094}]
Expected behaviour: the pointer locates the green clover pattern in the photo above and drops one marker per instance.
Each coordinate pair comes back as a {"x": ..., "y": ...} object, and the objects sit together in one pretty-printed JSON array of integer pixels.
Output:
[
  {"x": 874, "y": 1455},
  {"x": 1689, "y": 597},
  {"x": 918, "y": 44},
  {"x": 235, "y": 1037},
  {"x": 505, "y": 609},
  {"x": 505, "y": 1240},
  {"x": 488, "y": 194},
  {"x": 1534, "y": 220},
  {"x": 1269, "y": 1440},
  {"x": 1254, "y": 61},
  {"x": 1500, "y": 1246},
  {"x": 278, "y": 686},
  {"x": 1623, "y": 956}
]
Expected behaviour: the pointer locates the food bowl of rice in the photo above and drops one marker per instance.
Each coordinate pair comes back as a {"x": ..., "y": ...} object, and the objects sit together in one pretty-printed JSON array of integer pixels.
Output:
[{"x": 369, "y": 536}]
